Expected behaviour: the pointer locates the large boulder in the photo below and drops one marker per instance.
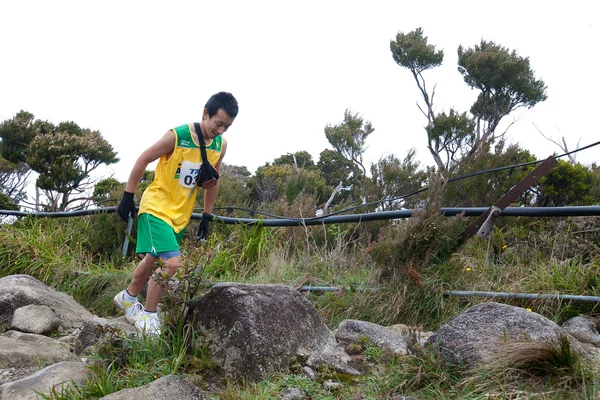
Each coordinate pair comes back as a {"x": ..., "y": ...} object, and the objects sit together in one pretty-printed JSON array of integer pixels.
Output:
[
  {"x": 19, "y": 349},
  {"x": 172, "y": 387},
  {"x": 56, "y": 377},
  {"x": 253, "y": 330},
  {"x": 17, "y": 291},
  {"x": 477, "y": 335}
]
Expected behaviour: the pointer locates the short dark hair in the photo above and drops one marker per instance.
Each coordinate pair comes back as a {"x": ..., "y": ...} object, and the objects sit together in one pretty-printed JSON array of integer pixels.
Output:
[{"x": 222, "y": 100}]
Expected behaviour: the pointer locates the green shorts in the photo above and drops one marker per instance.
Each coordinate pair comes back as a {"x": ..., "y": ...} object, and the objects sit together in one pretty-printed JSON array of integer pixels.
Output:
[{"x": 156, "y": 237}]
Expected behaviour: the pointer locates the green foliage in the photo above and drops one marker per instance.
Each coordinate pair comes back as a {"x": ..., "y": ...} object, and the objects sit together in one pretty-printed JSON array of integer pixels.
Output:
[
  {"x": 233, "y": 188},
  {"x": 566, "y": 185},
  {"x": 13, "y": 180},
  {"x": 451, "y": 133},
  {"x": 16, "y": 134},
  {"x": 335, "y": 168},
  {"x": 64, "y": 156},
  {"x": 505, "y": 81},
  {"x": 6, "y": 203},
  {"x": 412, "y": 51},
  {"x": 405, "y": 249},
  {"x": 500, "y": 74},
  {"x": 484, "y": 190},
  {"x": 107, "y": 192},
  {"x": 302, "y": 159},
  {"x": 392, "y": 177},
  {"x": 349, "y": 139},
  {"x": 275, "y": 182}
]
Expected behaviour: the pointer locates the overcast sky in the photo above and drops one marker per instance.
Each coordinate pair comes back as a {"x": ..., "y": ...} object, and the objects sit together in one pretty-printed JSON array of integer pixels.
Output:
[{"x": 134, "y": 69}]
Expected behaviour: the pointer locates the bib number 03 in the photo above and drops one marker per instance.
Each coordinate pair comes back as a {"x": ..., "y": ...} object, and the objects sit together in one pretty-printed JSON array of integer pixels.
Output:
[{"x": 189, "y": 174}]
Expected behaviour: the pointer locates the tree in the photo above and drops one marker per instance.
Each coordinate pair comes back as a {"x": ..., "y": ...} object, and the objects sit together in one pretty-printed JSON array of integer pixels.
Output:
[
  {"x": 392, "y": 177},
  {"x": 413, "y": 52},
  {"x": 505, "y": 81},
  {"x": 450, "y": 133},
  {"x": 300, "y": 159},
  {"x": 349, "y": 139},
  {"x": 13, "y": 180},
  {"x": 274, "y": 182},
  {"x": 233, "y": 186},
  {"x": 565, "y": 184},
  {"x": 335, "y": 168},
  {"x": 16, "y": 134},
  {"x": 107, "y": 192},
  {"x": 484, "y": 190}
]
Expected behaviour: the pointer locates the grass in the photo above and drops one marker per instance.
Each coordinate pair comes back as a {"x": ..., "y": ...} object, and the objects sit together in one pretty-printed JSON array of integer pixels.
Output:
[{"x": 70, "y": 256}]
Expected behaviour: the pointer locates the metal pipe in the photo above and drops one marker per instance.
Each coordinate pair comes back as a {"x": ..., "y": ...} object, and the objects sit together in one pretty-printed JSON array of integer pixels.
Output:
[
  {"x": 382, "y": 215},
  {"x": 575, "y": 211},
  {"x": 508, "y": 295}
]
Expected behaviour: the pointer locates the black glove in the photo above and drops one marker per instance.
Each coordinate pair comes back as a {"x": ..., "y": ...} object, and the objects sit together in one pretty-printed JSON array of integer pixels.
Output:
[
  {"x": 204, "y": 225},
  {"x": 126, "y": 207}
]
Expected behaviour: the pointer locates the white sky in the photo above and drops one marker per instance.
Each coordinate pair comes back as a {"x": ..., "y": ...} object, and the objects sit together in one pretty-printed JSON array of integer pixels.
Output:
[{"x": 134, "y": 69}]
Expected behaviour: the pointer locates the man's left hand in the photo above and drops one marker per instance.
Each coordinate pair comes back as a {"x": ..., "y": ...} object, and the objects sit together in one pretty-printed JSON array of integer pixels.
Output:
[{"x": 203, "y": 229}]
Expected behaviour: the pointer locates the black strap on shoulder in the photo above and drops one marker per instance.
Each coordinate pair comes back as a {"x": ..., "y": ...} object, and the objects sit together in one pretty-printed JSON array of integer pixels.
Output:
[{"x": 201, "y": 139}]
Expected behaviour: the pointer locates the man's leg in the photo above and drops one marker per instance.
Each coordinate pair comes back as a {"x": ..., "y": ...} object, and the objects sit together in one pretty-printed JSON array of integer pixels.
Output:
[
  {"x": 142, "y": 274},
  {"x": 155, "y": 291}
]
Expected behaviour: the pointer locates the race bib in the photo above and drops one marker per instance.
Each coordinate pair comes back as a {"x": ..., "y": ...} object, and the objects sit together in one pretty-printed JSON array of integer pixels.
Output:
[{"x": 189, "y": 174}]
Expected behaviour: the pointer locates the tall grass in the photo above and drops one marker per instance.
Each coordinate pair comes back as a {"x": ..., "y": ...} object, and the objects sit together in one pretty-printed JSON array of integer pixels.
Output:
[{"x": 387, "y": 288}]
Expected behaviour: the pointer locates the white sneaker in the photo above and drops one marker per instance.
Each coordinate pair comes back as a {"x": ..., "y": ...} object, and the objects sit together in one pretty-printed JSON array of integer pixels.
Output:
[
  {"x": 148, "y": 324},
  {"x": 133, "y": 311}
]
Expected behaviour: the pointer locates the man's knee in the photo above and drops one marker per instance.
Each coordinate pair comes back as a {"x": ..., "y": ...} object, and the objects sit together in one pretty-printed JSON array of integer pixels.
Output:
[{"x": 171, "y": 265}]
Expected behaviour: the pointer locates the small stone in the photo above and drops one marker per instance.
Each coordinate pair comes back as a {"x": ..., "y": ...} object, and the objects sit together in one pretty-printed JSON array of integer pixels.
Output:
[
  {"x": 293, "y": 394},
  {"x": 331, "y": 385},
  {"x": 310, "y": 373}
]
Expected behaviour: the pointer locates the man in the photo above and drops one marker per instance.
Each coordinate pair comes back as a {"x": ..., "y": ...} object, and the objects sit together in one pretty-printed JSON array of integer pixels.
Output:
[{"x": 167, "y": 204}]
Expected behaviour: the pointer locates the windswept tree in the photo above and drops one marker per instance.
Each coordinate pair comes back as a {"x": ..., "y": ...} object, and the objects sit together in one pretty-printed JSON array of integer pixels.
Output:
[
  {"x": 64, "y": 157},
  {"x": 349, "y": 141},
  {"x": 506, "y": 82}
]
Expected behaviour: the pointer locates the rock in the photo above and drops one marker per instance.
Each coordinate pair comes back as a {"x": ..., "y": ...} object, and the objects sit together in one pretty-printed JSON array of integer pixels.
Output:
[
  {"x": 172, "y": 387},
  {"x": 293, "y": 394},
  {"x": 55, "y": 376},
  {"x": 331, "y": 385},
  {"x": 584, "y": 329},
  {"x": 350, "y": 331},
  {"x": 422, "y": 336},
  {"x": 332, "y": 363},
  {"x": 19, "y": 349},
  {"x": 309, "y": 373},
  {"x": 35, "y": 319},
  {"x": 253, "y": 330},
  {"x": 17, "y": 291},
  {"x": 97, "y": 329},
  {"x": 476, "y": 335}
]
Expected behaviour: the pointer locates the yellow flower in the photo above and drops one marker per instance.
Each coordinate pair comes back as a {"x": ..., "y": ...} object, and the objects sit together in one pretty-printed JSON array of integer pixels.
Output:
[
  {"x": 504, "y": 247},
  {"x": 528, "y": 309},
  {"x": 468, "y": 269}
]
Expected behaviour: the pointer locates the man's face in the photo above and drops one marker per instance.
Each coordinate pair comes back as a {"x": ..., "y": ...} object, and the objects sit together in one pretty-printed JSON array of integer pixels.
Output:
[{"x": 217, "y": 125}]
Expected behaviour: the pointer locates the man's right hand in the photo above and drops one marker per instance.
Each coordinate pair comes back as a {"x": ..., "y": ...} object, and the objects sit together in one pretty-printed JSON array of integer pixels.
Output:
[{"x": 126, "y": 207}]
